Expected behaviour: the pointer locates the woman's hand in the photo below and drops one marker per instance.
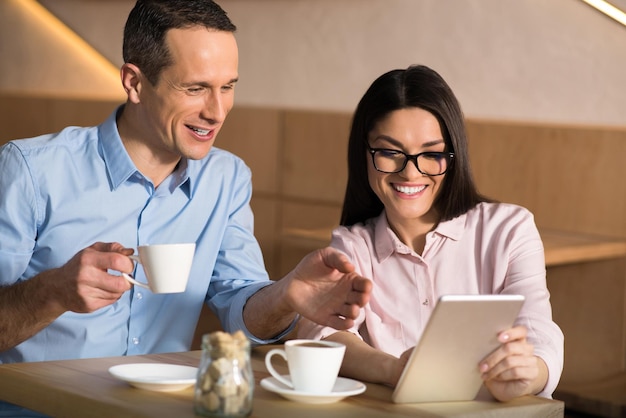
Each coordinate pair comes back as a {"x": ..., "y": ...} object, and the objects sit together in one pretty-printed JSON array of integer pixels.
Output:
[{"x": 513, "y": 370}]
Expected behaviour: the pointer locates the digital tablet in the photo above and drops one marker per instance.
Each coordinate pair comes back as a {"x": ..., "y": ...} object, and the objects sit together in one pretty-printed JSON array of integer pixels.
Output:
[{"x": 461, "y": 331}]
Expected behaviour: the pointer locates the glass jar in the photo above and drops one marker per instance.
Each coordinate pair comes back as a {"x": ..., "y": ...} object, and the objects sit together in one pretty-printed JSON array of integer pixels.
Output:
[{"x": 225, "y": 381}]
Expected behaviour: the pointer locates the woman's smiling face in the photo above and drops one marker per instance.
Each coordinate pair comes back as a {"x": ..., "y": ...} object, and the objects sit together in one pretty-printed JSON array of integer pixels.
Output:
[{"x": 407, "y": 195}]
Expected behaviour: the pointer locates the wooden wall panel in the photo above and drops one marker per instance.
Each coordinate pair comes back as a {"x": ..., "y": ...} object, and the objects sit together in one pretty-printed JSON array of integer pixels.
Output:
[
  {"x": 21, "y": 118},
  {"x": 255, "y": 135},
  {"x": 265, "y": 226},
  {"x": 302, "y": 216},
  {"x": 25, "y": 116},
  {"x": 588, "y": 303},
  {"x": 569, "y": 177},
  {"x": 315, "y": 159}
]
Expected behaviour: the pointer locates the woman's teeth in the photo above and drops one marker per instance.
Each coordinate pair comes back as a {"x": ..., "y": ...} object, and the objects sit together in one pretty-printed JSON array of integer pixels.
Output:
[{"x": 409, "y": 189}]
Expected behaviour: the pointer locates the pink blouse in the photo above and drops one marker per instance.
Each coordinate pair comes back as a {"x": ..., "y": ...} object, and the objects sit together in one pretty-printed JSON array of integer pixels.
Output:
[{"x": 493, "y": 248}]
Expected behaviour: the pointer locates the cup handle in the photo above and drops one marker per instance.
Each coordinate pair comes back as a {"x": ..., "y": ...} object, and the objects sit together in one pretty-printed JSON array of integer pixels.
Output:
[
  {"x": 135, "y": 282},
  {"x": 129, "y": 277},
  {"x": 270, "y": 368}
]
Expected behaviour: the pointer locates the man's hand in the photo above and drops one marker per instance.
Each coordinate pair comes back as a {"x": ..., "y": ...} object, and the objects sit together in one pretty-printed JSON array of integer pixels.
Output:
[
  {"x": 83, "y": 284},
  {"x": 324, "y": 288}
]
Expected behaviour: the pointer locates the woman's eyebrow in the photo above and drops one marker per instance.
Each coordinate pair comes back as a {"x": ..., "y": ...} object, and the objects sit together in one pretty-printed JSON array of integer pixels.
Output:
[
  {"x": 388, "y": 139},
  {"x": 433, "y": 142},
  {"x": 398, "y": 144}
]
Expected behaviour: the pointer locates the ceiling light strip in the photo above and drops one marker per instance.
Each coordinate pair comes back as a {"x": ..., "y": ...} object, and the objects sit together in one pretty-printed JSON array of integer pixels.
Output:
[{"x": 608, "y": 9}]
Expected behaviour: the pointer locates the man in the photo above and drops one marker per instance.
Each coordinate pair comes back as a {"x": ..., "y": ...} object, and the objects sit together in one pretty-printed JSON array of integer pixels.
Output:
[{"x": 73, "y": 205}]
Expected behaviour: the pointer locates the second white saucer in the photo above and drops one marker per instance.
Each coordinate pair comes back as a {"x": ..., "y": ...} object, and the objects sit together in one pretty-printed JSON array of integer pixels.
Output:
[{"x": 343, "y": 388}]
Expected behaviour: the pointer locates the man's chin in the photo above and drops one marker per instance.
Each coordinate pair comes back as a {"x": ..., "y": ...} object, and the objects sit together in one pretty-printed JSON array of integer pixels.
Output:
[{"x": 197, "y": 153}]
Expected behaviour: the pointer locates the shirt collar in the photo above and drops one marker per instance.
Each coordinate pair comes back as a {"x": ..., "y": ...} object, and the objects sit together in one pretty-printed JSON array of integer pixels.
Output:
[
  {"x": 118, "y": 163},
  {"x": 120, "y": 166},
  {"x": 387, "y": 242},
  {"x": 453, "y": 229}
]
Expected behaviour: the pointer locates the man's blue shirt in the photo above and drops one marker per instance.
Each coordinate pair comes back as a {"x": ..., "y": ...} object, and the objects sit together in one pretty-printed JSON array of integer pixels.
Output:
[{"x": 62, "y": 192}]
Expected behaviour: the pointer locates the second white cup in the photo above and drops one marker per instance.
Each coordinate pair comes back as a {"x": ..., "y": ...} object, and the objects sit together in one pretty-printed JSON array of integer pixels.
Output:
[
  {"x": 167, "y": 266},
  {"x": 313, "y": 364}
]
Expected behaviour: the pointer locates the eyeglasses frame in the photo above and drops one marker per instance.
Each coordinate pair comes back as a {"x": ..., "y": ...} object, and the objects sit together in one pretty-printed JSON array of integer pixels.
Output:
[{"x": 413, "y": 158}]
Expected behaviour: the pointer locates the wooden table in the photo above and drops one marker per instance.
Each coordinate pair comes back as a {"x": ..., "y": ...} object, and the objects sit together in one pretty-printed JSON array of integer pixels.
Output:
[
  {"x": 84, "y": 388},
  {"x": 568, "y": 247}
]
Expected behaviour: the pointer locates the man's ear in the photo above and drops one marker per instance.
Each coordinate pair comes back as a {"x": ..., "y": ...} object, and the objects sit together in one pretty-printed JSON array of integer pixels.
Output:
[{"x": 131, "y": 81}]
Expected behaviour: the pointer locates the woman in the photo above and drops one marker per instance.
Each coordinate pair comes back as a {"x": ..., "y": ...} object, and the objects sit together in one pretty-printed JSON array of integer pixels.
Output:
[{"x": 414, "y": 223}]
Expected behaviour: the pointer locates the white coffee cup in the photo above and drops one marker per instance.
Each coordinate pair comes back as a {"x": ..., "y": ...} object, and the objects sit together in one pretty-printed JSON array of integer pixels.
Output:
[
  {"x": 166, "y": 266},
  {"x": 313, "y": 364}
]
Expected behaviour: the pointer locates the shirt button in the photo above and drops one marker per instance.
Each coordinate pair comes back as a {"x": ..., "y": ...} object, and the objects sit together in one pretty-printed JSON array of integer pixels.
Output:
[
  {"x": 139, "y": 295},
  {"x": 135, "y": 340}
]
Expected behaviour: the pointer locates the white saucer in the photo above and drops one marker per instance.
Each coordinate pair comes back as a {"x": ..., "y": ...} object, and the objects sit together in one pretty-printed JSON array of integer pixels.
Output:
[
  {"x": 343, "y": 387},
  {"x": 156, "y": 376}
]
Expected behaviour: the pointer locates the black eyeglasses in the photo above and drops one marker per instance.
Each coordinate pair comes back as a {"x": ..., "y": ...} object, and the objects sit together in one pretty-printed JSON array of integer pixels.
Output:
[{"x": 429, "y": 163}]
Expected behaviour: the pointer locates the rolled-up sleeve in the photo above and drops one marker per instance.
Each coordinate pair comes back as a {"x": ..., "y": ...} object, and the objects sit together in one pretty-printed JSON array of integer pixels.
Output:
[{"x": 526, "y": 275}]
